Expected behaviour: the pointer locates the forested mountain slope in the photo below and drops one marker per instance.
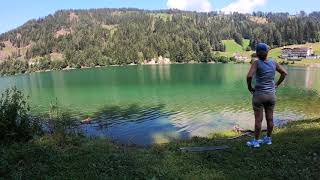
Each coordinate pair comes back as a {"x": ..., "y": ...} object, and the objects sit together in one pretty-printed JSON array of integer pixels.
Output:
[{"x": 122, "y": 36}]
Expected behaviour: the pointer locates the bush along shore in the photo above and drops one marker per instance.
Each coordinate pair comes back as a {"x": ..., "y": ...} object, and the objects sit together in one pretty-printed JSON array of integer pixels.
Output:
[{"x": 26, "y": 152}]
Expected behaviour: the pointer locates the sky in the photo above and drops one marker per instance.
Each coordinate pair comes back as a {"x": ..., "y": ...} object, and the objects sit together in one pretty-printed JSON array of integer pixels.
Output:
[{"x": 14, "y": 13}]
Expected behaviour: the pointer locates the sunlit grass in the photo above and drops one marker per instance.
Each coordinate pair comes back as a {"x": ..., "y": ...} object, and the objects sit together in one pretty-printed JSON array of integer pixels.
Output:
[
  {"x": 275, "y": 53},
  {"x": 233, "y": 47},
  {"x": 294, "y": 155}
]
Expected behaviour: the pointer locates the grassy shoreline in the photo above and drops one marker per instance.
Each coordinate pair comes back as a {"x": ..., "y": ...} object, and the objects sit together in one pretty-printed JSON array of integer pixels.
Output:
[{"x": 295, "y": 155}]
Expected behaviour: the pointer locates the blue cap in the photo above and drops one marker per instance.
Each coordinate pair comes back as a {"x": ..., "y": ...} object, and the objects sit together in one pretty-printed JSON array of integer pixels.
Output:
[{"x": 262, "y": 47}]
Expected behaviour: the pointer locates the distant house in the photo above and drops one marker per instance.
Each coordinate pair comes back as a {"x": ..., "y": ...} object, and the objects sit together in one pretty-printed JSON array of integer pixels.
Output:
[
  {"x": 313, "y": 57},
  {"x": 240, "y": 58},
  {"x": 296, "y": 52}
]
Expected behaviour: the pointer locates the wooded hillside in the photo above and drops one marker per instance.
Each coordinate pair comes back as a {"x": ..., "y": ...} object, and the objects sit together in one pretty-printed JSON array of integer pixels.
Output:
[{"x": 94, "y": 37}]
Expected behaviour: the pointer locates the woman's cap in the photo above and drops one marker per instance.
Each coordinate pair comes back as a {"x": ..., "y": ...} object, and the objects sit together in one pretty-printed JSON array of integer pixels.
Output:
[{"x": 262, "y": 47}]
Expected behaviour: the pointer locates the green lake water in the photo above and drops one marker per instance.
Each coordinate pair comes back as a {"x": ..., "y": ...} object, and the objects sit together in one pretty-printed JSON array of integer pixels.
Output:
[{"x": 156, "y": 104}]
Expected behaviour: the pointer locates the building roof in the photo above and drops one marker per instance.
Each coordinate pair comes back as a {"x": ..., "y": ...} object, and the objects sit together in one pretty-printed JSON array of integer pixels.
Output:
[{"x": 296, "y": 48}]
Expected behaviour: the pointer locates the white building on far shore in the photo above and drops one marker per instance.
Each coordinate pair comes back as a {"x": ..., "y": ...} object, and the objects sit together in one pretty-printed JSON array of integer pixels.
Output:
[{"x": 296, "y": 52}]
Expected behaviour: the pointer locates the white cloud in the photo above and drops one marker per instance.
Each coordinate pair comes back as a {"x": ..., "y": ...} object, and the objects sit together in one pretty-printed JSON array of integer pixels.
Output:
[
  {"x": 190, "y": 5},
  {"x": 243, "y": 6}
]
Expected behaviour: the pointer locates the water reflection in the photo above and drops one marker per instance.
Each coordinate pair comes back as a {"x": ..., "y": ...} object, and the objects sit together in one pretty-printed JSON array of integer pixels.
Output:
[
  {"x": 305, "y": 78},
  {"x": 135, "y": 125},
  {"x": 153, "y": 104}
]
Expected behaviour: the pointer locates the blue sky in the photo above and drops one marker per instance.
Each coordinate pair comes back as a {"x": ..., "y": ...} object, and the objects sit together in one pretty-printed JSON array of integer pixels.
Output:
[{"x": 14, "y": 13}]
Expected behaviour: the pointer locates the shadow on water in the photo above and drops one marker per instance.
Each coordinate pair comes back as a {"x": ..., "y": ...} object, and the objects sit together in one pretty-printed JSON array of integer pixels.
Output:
[{"x": 134, "y": 124}]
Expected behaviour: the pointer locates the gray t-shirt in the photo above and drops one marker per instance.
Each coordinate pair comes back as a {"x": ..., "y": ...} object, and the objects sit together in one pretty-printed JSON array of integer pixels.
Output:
[{"x": 266, "y": 71}]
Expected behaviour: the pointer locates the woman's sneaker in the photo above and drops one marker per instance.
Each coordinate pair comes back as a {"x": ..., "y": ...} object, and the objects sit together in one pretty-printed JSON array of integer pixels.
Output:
[
  {"x": 254, "y": 143},
  {"x": 266, "y": 140}
]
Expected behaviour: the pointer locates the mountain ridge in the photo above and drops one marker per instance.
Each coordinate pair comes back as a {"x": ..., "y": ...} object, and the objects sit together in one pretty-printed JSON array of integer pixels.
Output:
[{"x": 98, "y": 37}]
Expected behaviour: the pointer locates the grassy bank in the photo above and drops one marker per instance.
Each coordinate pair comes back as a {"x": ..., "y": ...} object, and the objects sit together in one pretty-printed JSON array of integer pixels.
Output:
[
  {"x": 295, "y": 155},
  {"x": 306, "y": 63}
]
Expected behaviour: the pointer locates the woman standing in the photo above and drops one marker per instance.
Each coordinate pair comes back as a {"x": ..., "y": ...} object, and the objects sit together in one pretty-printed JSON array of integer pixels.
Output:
[{"x": 264, "y": 97}]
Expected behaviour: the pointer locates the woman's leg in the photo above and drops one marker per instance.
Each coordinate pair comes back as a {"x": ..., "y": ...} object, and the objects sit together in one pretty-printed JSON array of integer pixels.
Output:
[
  {"x": 258, "y": 115},
  {"x": 269, "y": 109},
  {"x": 257, "y": 103},
  {"x": 269, "y": 118}
]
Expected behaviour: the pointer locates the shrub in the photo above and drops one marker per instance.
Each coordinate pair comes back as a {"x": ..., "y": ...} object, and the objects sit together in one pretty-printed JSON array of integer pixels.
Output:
[
  {"x": 2, "y": 45},
  {"x": 284, "y": 63},
  {"x": 11, "y": 67},
  {"x": 15, "y": 122},
  {"x": 233, "y": 59},
  {"x": 60, "y": 123},
  {"x": 222, "y": 59}
]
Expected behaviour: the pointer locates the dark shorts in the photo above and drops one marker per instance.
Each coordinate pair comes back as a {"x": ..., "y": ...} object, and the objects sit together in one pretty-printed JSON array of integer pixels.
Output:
[{"x": 263, "y": 101}]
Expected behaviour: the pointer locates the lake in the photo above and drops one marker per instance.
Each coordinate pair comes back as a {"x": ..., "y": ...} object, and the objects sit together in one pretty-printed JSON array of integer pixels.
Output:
[{"x": 161, "y": 103}]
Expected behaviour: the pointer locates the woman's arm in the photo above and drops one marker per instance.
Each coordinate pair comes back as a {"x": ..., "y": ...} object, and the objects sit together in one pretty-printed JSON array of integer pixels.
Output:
[
  {"x": 283, "y": 72},
  {"x": 251, "y": 72}
]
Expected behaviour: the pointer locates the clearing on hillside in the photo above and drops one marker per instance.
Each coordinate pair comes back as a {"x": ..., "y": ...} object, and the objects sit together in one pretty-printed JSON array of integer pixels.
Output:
[{"x": 232, "y": 46}]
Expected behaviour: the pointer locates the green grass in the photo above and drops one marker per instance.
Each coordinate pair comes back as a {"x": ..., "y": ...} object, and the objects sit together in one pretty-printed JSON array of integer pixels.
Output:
[
  {"x": 275, "y": 53},
  {"x": 304, "y": 62},
  {"x": 294, "y": 155},
  {"x": 233, "y": 47},
  {"x": 315, "y": 46},
  {"x": 246, "y": 43}
]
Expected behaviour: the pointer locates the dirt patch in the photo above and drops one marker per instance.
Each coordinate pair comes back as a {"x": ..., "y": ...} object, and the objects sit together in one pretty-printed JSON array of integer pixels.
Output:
[
  {"x": 73, "y": 16},
  {"x": 56, "y": 56},
  {"x": 6, "y": 52},
  {"x": 259, "y": 20},
  {"x": 117, "y": 13},
  {"x": 109, "y": 27},
  {"x": 9, "y": 49},
  {"x": 18, "y": 35},
  {"x": 62, "y": 32},
  {"x": 8, "y": 44},
  {"x": 159, "y": 60},
  {"x": 3, "y": 56}
]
